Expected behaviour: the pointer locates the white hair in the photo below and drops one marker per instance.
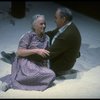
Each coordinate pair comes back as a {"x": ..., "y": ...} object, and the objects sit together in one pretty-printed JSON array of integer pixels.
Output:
[{"x": 35, "y": 17}]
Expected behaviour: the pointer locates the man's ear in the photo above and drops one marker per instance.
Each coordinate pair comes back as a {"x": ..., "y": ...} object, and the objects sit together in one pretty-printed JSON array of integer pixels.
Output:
[{"x": 64, "y": 18}]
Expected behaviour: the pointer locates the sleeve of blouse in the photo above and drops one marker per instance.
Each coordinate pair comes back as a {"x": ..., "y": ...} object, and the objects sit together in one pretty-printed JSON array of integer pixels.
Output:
[{"x": 24, "y": 41}]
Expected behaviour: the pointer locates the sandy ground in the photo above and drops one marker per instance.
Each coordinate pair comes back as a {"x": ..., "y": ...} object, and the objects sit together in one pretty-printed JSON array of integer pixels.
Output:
[{"x": 85, "y": 85}]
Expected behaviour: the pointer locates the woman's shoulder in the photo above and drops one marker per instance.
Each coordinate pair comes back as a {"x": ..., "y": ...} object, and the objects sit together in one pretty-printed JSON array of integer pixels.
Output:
[
  {"x": 28, "y": 34},
  {"x": 47, "y": 37}
]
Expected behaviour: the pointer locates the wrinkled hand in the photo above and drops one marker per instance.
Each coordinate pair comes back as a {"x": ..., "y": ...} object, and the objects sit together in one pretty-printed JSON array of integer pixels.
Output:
[{"x": 42, "y": 52}]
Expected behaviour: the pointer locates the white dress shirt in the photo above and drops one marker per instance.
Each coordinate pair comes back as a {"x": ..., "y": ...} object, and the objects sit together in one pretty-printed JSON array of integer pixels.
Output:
[{"x": 61, "y": 30}]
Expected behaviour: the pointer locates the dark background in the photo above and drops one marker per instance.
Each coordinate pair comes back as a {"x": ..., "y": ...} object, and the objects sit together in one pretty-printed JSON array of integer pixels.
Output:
[
  {"x": 90, "y": 8},
  {"x": 86, "y": 7}
]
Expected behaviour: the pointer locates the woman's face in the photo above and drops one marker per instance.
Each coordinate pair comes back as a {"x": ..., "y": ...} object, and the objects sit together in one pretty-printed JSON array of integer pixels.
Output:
[{"x": 40, "y": 25}]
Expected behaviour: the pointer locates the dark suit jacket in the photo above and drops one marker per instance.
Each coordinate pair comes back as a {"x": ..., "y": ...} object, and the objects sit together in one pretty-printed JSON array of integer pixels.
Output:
[{"x": 64, "y": 50}]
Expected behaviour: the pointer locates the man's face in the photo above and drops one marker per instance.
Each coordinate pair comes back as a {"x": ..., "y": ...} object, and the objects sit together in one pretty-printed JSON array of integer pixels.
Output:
[
  {"x": 58, "y": 19},
  {"x": 40, "y": 25}
]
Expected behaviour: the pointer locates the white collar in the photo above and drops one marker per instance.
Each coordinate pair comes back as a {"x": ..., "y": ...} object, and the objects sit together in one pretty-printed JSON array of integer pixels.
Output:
[{"x": 64, "y": 27}]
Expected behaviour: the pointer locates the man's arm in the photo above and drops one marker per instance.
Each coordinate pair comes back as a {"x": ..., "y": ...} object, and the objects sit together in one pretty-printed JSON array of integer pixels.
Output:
[
  {"x": 52, "y": 33},
  {"x": 57, "y": 48}
]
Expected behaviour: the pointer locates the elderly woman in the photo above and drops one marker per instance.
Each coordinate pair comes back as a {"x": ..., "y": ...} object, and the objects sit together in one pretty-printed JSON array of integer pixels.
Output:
[{"x": 28, "y": 73}]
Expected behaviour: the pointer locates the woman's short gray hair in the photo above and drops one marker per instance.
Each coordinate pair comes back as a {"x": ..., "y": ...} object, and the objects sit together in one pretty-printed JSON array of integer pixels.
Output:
[{"x": 34, "y": 18}]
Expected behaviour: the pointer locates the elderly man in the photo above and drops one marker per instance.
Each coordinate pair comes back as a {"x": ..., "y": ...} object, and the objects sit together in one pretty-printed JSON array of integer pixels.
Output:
[{"x": 65, "y": 43}]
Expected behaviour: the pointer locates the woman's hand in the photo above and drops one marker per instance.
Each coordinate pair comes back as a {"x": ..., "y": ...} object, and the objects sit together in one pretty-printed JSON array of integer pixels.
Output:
[{"x": 42, "y": 52}]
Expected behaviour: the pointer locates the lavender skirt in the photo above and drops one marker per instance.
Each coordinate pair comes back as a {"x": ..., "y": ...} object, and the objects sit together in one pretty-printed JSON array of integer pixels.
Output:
[{"x": 27, "y": 75}]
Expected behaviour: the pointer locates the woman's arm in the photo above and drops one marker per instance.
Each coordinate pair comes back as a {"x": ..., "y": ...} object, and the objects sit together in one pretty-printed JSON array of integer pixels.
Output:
[{"x": 26, "y": 52}]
